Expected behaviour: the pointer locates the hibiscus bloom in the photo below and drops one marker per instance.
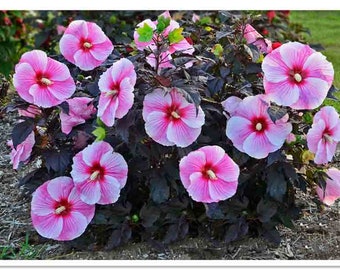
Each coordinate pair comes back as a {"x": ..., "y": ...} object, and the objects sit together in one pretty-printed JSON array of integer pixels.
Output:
[
  {"x": 253, "y": 132},
  {"x": 255, "y": 38},
  {"x": 209, "y": 174},
  {"x": 57, "y": 211},
  {"x": 116, "y": 85},
  {"x": 170, "y": 119},
  {"x": 297, "y": 76},
  {"x": 80, "y": 110},
  {"x": 99, "y": 174},
  {"x": 324, "y": 135},
  {"x": 22, "y": 152},
  {"x": 332, "y": 191},
  {"x": 41, "y": 80},
  {"x": 85, "y": 45}
]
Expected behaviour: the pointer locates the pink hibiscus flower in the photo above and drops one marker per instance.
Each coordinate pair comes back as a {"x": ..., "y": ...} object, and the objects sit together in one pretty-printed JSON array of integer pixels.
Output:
[
  {"x": 324, "y": 135},
  {"x": 80, "y": 109},
  {"x": 31, "y": 111},
  {"x": 297, "y": 76},
  {"x": 57, "y": 211},
  {"x": 85, "y": 45},
  {"x": 252, "y": 131},
  {"x": 41, "y": 80},
  {"x": 116, "y": 85},
  {"x": 99, "y": 174},
  {"x": 332, "y": 191},
  {"x": 209, "y": 174},
  {"x": 170, "y": 119},
  {"x": 23, "y": 151},
  {"x": 255, "y": 38}
]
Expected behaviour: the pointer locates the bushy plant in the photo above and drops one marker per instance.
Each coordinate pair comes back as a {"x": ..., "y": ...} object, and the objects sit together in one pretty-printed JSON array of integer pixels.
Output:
[{"x": 202, "y": 128}]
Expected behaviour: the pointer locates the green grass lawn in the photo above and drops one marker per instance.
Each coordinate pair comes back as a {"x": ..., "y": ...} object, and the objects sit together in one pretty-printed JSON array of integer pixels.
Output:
[{"x": 324, "y": 27}]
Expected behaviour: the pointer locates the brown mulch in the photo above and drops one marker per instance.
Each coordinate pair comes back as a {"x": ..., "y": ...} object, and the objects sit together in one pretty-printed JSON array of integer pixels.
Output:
[{"x": 316, "y": 234}]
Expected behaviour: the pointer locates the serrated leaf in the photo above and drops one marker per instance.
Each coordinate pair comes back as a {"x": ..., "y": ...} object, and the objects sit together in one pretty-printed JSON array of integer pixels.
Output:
[
  {"x": 162, "y": 23},
  {"x": 276, "y": 113},
  {"x": 21, "y": 131},
  {"x": 175, "y": 35},
  {"x": 57, "y": 161},
  {"x": 145, "y": 33},
  {"x": 100, "y": 133},
  {"x": 65, "y": 107}
]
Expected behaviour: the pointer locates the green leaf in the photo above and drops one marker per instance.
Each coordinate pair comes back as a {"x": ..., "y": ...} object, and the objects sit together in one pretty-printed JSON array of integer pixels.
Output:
[
  {"x": 162, "y": 23},
  {"x": 176, "y": 36},
  {"x": 145, "y": 33},
  {"x": 218, "y": 50},
  {"x": 100, "y": 133}
]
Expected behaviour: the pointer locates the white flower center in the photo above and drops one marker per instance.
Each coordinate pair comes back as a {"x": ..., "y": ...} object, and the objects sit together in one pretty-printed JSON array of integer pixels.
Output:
[
  {"x": 258, "y": 126},
  {"x": 175, "y": 115},
  {"x": 60, "y": 209},
  {"x": 111, "y": 93},
  {"x": 328, "y": 138},
  {"x": 94, "y": 175},
  {"x": 297, "y": 77},
  {"x": 46, "y": 81},
  {"x": 211, "y": 175},
  {"x": 87, "y": 45}
]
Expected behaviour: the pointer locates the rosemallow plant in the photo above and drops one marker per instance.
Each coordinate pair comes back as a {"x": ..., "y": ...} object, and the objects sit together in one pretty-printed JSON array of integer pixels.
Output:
[
  {"x": 251, "y": 129},
  {"x": 255, "y": 38},
  {"x": 209, "y": 174},
  {"x": 57, "y": 211},
  {"x": 170, "y": 119},
  {"x": 295, "y": 75},
  {"x": 324, "y": 135},
  {"x": 172, "y": 132},
  {"x": 80, "y": 110},
  {"x": 85, "y": 45},
  {"x": 22, "y": 152},
  {"x": 99, "y": 174},
  {"x": 332, "y": 191},
  {"x": 116, "y": 85},
  {"x": 42, "y": 80}
]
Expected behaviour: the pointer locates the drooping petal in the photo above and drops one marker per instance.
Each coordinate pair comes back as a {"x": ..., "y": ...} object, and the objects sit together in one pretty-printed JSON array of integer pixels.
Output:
[
  {"x": 231, "y": 104},
  {"x": 193, "y": 162},
  {"x": 332, "y": 191},
  {"x": 23, "y": 80},
  {"x": 156, "y": 127},
  {"x": 329, "y": 115},
  {"x": 199, "y": 188},
  {"x": 110, "y": 190},
  {"x": 183, "y": 46},
  {"x": 74, "y": 225},
  {"x": 181, "y": 134},
  {"x": 321, "y": 153}
]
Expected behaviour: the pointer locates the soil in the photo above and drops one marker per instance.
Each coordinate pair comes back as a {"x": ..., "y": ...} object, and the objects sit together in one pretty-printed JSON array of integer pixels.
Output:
[{"x": 316, "y": 234}]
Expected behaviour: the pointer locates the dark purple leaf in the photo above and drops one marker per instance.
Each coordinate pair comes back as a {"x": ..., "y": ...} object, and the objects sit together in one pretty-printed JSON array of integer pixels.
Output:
[{"x": 21, "y": 131}]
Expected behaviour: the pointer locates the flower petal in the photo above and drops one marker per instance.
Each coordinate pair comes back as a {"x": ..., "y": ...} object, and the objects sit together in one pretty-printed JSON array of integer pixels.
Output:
[
  {"x": 122, "y": 69},
  {"x": 192, "y": 163},
  {"x": 23, "y": 80},
  {"x": 59, "y": 188},
  {"x": 295, "y": 54},
  {"x": 42, "y": 203},
  {"x": 74, "y": 225},
  {"x": 282, "y": 93},
  {"x": 79, "y": 206},
  {"x": 181, "y": 134},
  {"x": 110, "y": 190},
  {"x": 221, "y": 190},
  {"x": 43, "y": 97},
  {"x": 258, "y": 146},
  {"x": 199, "y": 189},
  {"x": 227, "y": 170},
  {"x": 85, "y": 61},
  {"x": 191, "y": 118},
  {"x": 238, "y": 130},
  {"x": 158, "y": 100},
  {"x": 156, "y": 127},
  {"x": 314, "y": 135},
  {"x": 80, "y": 170},
  {"x": 277, "y": 133},
  {"x": 213, "y": 154},
  {"x": 125, "y": 97},
  {"x": 49, "y": 226},
  {"x": 69, "y": 45},
  {"x": 115, "y": 166},
  {"x": 101, "y": 51},
  {"x": 107, "y": 108},
  {"x": 94, "y": 152},
  {"x": 36, "y": 59},
  {"x": 90, "y": 192}
]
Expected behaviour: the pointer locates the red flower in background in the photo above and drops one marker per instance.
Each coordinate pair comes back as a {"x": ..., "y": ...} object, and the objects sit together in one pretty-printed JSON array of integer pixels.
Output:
[{"x": 271, "y": 15}]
